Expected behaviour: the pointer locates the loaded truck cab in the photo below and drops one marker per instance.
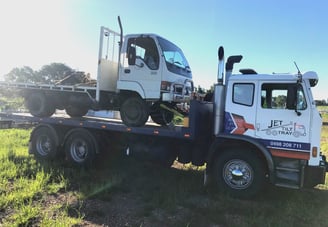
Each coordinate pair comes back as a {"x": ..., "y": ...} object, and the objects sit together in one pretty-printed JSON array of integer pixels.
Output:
[
  {"x": 156, "y": 68},
  {"x": 146, "y": 71}
]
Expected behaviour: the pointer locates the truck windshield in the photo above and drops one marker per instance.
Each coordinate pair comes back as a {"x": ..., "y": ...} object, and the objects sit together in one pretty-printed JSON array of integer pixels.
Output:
[{"x": 174, "y": 58}]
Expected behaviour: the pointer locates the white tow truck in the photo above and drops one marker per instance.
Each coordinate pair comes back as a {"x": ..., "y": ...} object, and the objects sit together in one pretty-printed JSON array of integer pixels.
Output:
[
  {"x": 137, "y": 74},
  {"x": 258, "y": 128}
]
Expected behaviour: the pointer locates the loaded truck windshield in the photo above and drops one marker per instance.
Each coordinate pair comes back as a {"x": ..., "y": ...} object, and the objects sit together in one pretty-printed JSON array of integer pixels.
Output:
[{"x": 174, "y": 58}]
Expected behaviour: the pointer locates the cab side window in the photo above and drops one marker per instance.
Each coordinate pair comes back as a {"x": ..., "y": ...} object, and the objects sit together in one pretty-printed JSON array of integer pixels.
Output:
[
  {"x": 243, "y": 94},
  {"x": 277, "y": 96},
  {"x": 146, "y": 50}
]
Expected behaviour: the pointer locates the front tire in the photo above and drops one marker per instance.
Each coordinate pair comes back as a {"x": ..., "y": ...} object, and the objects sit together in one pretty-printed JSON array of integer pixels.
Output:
[
  {"x": 74, "y": 111},
  {"x": 161, "y": 116},
  {"x": 134, "y": 112},
  {"x": 240, "y": 173}
]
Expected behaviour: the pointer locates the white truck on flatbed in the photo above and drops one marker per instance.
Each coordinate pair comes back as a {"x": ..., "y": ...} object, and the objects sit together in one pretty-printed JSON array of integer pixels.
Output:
[
  {"x": 137, "y": 74},
  {"x": 258, "y": 128}
]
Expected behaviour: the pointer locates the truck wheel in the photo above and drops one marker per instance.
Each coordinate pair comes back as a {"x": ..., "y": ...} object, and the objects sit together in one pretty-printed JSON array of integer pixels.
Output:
[
  {"x": 39, "y": 106},
  {"x": 44, "y": 143},
  {"x": 134, "y": 112},
  {"x": 80, "y": 147},
  {"x": 74, "y": 111},
  {"x": 162, "y": 117},
  {"x": 239, "y": 173}
]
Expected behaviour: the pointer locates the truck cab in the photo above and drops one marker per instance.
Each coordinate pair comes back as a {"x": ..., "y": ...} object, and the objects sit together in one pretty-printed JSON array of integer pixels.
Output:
[
  {"x": 277, "y": 110},
  {"x": 157, "y": 66},
  {"x": 147, "y": 71}
]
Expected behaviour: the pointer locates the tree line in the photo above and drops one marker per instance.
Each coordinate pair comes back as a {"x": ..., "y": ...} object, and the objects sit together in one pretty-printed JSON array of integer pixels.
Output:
[{"x": 51, "y": 73}]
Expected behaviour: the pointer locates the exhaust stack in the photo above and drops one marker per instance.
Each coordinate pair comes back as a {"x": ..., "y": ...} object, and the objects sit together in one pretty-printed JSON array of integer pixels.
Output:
[
  {"x": 229, "y": 66},
  {"x": 221, "y": 65}
]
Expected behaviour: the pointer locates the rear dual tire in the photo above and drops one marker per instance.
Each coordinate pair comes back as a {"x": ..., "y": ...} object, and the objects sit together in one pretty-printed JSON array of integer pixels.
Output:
[
  {"x": 44, "y": 143},
  {"x": 39, "y": 105},
  {"x": 80, "y": 147}
]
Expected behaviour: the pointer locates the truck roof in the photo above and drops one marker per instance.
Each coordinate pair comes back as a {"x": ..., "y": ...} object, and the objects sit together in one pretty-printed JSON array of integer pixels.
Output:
[{"x": 282, "y": 77}]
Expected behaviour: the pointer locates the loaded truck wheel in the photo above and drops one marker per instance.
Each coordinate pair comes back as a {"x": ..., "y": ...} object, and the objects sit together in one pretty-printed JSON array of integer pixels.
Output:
[
  {"x": 240, "y": 173},
  {"x": 44, "y": 143},
  {"x": 161, "y": 116},
  {"x": 74, "y": 111},
  {"x": 80, "y": 147},
  {"x": 39, "y": 105},
  {"x": 134, "y": 112}
]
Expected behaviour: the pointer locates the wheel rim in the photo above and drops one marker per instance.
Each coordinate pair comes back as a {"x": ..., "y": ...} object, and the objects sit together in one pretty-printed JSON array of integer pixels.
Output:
[
  {"x": 238, "y": 174},
  {"x": 43, "y": 145},
  {"x": 79, "y": 150}
]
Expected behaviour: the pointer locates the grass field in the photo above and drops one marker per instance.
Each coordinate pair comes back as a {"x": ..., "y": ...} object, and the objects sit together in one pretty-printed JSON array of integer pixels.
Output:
[{"x": 127, "y": 191}]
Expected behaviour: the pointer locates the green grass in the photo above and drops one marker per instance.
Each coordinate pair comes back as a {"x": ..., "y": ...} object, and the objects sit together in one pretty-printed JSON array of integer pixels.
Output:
[
  {"x": 324, "y": 112},
  {"x": 53, "y": 194},
  {"x": 24, "y": 184}
]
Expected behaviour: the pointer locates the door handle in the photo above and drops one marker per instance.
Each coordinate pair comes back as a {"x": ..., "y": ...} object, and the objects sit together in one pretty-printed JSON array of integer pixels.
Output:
[{"x": 127, "y": 70}]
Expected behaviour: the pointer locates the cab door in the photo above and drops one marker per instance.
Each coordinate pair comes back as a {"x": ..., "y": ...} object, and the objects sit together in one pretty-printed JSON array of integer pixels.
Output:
[
  {"x": 141, "y": 73},
  {"x": 240, "y": 108},
  {"x": 282, "y": 126}
]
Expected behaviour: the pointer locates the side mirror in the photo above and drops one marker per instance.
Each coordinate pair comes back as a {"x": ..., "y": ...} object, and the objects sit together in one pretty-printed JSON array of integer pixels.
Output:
[
  {"x": 132, "y": 56},
  {"x": 292, "y": 98}
]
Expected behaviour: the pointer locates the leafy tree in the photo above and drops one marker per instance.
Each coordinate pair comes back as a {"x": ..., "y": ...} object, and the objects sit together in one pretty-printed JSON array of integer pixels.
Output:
[
  {"x": 48, "y": 74},
  {"x": 25, "y": 74},
  {"x": 321, "y": 102},
  {"x": 280, "y": 101},
  {"x": 54, "y": 72}
]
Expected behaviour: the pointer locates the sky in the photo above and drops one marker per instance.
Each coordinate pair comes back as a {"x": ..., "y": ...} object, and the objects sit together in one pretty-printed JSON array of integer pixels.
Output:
[{"x": 270, "y": 35}]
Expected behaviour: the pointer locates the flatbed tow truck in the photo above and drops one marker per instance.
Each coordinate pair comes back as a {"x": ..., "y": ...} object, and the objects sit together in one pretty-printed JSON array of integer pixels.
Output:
[{"x": 258, "y": 128}]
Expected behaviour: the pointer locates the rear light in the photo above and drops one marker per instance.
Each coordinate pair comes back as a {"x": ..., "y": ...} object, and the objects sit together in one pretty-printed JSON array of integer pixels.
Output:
[{"x": 165, "y": 86}]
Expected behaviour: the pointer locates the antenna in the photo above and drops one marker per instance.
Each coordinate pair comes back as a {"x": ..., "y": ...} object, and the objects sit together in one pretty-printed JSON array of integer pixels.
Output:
[
  {"x": 121, "y": 31},
  {"x": 298, "y": 72}
]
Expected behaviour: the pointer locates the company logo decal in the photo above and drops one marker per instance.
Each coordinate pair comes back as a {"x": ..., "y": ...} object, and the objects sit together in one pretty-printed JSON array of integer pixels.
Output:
[
  {"x": 236, "y": 124},
  {"x": 279, "y": 128}
]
